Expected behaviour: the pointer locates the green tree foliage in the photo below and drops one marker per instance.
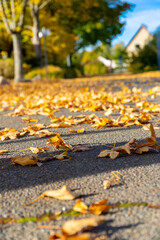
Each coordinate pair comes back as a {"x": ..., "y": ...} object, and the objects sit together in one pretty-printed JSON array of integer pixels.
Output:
[
  {"x": 5, "y": 42},
  {"x": 145, "y": 59},
  {"x": 118, "y": 51},
  {"x": 89, "y": 21}
]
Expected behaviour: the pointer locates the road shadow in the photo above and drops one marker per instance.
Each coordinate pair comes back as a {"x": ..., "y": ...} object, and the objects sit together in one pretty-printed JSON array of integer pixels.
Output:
[
  {"x": 109, "y": 230},
  {"x": 82, "y": 164}
]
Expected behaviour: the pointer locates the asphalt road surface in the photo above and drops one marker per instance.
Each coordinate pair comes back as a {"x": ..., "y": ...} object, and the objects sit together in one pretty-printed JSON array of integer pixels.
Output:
[{"x": 84, "y": 174}]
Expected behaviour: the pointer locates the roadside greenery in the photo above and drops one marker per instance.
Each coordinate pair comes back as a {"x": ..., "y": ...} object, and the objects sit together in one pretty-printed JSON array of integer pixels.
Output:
[{"x": 146, "y": 59}]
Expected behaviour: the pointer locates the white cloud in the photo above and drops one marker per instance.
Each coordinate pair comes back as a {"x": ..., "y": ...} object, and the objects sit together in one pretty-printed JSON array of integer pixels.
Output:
[{"x": 151, "y": 18}]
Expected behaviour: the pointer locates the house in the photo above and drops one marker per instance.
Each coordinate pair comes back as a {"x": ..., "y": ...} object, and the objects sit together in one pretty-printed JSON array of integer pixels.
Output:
[{"x": 141, "y": 37}]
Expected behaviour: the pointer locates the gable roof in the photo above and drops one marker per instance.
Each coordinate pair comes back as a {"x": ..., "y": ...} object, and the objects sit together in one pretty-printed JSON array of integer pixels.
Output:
[{"x": 143, "y": 26}]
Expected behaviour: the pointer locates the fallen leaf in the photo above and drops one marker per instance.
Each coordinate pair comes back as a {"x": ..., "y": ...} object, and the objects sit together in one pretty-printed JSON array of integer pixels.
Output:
[
  {"x": 9, "y": 133},
  {"x": 58, "y": 142},
  {"x": 64, "y": 193},
  {"x": 76, "y": 131},
  {"x": 150, "y": 144},
  {"x": 2, "y": 151},
  {"x": 106, "y": 184},
  {"x": 80, "y": 207},
  {"x": 115, "y": 151},
  {"x": 116, "y": 178},
  {"x": 75, "y": 226},
  {"x": 79, "y": 148},
  {"x": 81, "y": 236},
  {"x": 126, "y": 147},
  {"x": 96, "y": 208},
  {"x": 109, "y": 153},
  {"x": 26, "y": 160},
  {"x": 60, "y": 125},
  {"x": 45, "y": 133},
  {"x": 62, "y": 156},
  {"x": 28, "y": 120},
  {"x": 99, "y": 207},
  {"x": 37, "y": 150}
]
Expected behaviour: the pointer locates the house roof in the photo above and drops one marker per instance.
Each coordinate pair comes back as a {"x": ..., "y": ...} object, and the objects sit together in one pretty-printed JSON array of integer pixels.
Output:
[{"x": 143, "y": 26}]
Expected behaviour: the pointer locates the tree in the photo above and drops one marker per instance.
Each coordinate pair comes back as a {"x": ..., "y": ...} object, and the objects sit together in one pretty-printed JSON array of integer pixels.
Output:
[
  {"x": 35, "y": 7},
  {"x": 119, "y": 53},
  {"x": 145, "y": 59},
  {"x": 76, "y": 23},
  {"x": 90, "y": 20},
  {"x": 5, "y": 41},
  {"x": 13, "y": 14}
]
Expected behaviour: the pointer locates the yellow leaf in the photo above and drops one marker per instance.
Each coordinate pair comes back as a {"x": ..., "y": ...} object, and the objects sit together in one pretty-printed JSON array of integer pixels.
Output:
[
  {"x": 80, "y": 207},
  {"x": 79, "y": 236},
  {"x": 76, "y": 131},
  {"x": 28, "y": 120},
  {"x": 37, "y": 150},
  {"x": 24, "y": 161},
  {"x": 75, "y": 226},
  {"x": 99, "y": 207},
  {"x": 63, "y": 193},
  {"x": 58, "y": 142},
  {"x": 96, "y": 208},
  {"x": 3, "y": 151}
]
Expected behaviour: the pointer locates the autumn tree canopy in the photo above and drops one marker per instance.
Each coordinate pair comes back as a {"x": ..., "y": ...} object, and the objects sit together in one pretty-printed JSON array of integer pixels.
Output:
[
  {"x": 73, "y": 24},
  {"x": 89, "y": 20}
]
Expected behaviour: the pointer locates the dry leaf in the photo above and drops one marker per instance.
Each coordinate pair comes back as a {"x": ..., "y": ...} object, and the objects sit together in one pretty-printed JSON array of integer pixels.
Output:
[
  {"x": 76, "y": 131},
  {"x": 116, "y": 177},
  {"x": 75, "y": 226},
  {"x": 62, "y": 156},
  {"x": 106, "y": 184},
  {"x": 2, "y": 151},
  {"x": 63, "y": 193},
  {"x": 80, "y": 207},
  {"x": 60, "y": 125},
  {"x": 150, "y": 144},
  {"x": 99, "y": 207},
  {"x": 9, "y": 133},
  {"x": 96, "y": 208},
  {"x": 45, "y": 133},
  {"x": 79, "y": 148},
  {"x": 37, "y": 150},
  {"x": 126, "y": 147},
  {"x": 28, "y": 120},
  {"x": 24, "y": 161},
  {"x": 58, "y": 142},
  {"x": 109, "y": 153},
  {"x": 81, "y": 236},
  {"x": 115, "y": 151}
]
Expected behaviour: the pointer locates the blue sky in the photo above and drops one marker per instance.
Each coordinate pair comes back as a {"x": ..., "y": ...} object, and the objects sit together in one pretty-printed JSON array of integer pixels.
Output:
[{"x": 145, "y": 12}]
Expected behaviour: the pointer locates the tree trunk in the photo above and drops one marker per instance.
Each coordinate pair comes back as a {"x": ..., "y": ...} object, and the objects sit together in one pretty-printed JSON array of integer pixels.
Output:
[
  {"x": 36, "y": 39},
  {"x": 18, "y": 69}
]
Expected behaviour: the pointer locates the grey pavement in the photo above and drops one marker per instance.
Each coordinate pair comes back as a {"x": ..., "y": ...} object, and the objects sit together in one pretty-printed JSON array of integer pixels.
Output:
[{"x": 84, "y": 174}]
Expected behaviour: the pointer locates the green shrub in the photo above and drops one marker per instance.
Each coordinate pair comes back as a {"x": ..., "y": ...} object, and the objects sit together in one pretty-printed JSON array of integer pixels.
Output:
[
  {"x": 95, "y": 68},
  {"x": 7, "y": 68},
  {"x": 53, "y": 72},
  {"x": 91, "y": 66},
  {"x": 145, "y": 59}
]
